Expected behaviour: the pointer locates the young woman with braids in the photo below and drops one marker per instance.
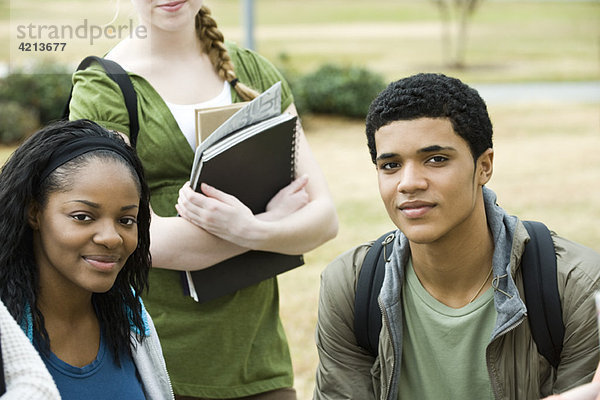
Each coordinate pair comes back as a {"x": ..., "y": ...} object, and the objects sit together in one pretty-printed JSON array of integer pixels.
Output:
[
  {"x": 234, "y": 346},
  {"x": 75, "y": 257}
]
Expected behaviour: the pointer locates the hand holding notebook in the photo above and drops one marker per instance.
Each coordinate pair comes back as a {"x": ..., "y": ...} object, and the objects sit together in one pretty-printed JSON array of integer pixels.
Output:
[{"x": 251, "y": 157}]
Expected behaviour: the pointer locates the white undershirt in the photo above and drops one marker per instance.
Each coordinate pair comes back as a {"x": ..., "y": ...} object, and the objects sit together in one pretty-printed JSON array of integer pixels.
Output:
[{"x": 185, "y": 114}]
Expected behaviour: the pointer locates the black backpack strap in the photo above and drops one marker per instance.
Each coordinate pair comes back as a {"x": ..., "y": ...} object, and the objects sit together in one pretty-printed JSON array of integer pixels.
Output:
[
  {"x": 367, "y": 315},
  {"x": 119, "y": 75},
  {"x": 540, "y": 283},
  {"x": 538, "y": 267}
]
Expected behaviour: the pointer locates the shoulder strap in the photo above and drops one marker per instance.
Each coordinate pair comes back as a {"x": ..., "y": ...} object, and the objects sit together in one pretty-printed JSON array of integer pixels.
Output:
[
  {"x": 119, "y": 75},
  {"x": 540, "y": 283},
  {"x": 541, "y": 294},
  {"x": 367, "y": 315}
]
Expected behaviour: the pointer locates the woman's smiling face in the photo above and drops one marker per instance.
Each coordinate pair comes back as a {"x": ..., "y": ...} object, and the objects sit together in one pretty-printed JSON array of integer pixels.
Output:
[{"x": 84, "y": 234}]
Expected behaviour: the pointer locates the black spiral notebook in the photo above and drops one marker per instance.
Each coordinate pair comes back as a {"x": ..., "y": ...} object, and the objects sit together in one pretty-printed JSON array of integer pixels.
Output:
[{"x": 251, "y": 156}]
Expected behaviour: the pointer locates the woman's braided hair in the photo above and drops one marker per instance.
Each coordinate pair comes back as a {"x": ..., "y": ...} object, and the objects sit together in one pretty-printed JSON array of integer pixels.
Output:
[{"x": 213, "y": 45}]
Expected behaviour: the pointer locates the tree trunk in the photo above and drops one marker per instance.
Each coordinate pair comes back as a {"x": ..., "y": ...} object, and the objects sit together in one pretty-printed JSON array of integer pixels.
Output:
[
  {"x": 447, "y": 47},
  {"x": 455, "y": 15},
  {"x": 461, "y": 35}
]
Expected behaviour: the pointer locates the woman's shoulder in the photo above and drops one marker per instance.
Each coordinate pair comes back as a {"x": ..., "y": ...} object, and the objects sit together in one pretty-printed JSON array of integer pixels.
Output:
[
  {"x": 243, "y": 59},
  {"x": 255, "y": 70},
  {"x": 246, "y": 55}
]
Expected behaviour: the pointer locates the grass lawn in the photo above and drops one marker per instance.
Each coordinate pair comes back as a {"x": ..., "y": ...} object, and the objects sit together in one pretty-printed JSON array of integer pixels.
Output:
[{"x": 508, "y": 40}]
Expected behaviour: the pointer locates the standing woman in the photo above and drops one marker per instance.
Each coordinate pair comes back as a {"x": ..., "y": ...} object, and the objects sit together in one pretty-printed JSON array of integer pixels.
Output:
[
  {"x": 234, "y": 346},
  {"x": 74, "y": 258}
]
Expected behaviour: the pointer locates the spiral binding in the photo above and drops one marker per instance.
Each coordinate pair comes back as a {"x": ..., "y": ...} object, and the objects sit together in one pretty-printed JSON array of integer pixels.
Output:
[{"x": 295, "y": 147}]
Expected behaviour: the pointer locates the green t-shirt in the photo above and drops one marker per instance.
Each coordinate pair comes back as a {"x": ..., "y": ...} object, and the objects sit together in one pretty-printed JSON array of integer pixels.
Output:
[
  {"x": 443, "y": 349},
  {"x": 233, "y": 346}
]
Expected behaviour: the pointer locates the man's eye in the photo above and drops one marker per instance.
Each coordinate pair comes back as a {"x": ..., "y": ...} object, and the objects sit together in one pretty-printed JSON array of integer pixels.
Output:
[
  {"x": 389, "y": 165},
  {"x": 438, "y": 159}
]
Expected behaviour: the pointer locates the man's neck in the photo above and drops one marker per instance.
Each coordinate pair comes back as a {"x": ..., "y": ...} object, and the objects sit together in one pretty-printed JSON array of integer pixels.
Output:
[{"x": 453, "y": 268}]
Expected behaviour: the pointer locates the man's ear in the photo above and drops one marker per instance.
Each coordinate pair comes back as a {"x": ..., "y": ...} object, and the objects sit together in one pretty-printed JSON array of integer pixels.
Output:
[
  {"x": 32, "y": 215},
  {"x": 485, "y": 166}
]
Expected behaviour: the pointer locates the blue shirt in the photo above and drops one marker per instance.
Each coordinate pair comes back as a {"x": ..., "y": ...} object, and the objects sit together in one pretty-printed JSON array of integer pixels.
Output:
[{"x": 101, "y": 379}]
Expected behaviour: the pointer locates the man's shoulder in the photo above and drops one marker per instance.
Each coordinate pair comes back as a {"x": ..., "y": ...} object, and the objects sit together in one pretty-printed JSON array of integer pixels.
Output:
[
  {"x": 576, "y": 260},
  {"x": 344, "y": 269},
  {"x": 570, "y": 255}
]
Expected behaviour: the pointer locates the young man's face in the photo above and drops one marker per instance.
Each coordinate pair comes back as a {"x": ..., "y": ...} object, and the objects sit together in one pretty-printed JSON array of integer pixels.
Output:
[{"x": 428, "y": 180}]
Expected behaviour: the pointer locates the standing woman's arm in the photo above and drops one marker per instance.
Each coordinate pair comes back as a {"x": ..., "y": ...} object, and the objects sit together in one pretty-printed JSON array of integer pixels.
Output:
[{"x": 293, "y": 233}]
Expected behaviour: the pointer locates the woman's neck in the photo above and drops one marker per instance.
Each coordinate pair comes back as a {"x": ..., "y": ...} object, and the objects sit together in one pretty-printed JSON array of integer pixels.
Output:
[
  {"x": 72, "y": 325},
  {"x": 170, "y": 45},
  {"x": 55, "y": 304},
  {"x": 173, "y": 63}
]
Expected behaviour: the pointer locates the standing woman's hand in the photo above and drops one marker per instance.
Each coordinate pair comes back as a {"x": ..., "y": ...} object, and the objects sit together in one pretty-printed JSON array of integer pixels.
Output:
[
  {"x": 288, "y": 200},
  {"x": 216, "y": 212},
  {"x": 223, "y": 215}
]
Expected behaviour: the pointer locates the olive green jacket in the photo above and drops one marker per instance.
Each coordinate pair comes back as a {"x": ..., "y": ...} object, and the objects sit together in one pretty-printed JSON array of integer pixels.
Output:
[{"x": 516, "y": 369}]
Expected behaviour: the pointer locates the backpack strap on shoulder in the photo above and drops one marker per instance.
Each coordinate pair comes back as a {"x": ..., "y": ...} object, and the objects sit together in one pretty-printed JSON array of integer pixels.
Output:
[
  {"x": 119, "y": 75},
  {"x": 540, "y": 283},
  {"x": 367, "y": 314}
]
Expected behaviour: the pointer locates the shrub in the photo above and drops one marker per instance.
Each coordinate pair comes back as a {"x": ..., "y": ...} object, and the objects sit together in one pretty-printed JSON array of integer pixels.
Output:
[
  {"x": 16, "y": 122},
  {"x": 332, "y": 89},
  {"x": 44, "y": 88}
]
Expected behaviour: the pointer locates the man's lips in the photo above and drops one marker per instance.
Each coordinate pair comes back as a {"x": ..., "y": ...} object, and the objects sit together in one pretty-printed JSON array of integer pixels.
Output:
[{"x": 415, "y": 209}]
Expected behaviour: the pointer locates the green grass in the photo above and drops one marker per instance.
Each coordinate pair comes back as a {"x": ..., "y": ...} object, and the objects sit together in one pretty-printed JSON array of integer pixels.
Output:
[{"x": 509, "y": 40}]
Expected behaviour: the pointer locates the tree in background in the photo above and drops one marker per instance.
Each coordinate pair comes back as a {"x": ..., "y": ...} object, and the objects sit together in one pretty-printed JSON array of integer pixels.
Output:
[{"x": 455, "y": 16}]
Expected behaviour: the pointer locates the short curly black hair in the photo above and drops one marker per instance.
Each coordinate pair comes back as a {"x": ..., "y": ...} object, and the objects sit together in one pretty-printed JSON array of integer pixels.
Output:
[{"x": 429, "y": 95}]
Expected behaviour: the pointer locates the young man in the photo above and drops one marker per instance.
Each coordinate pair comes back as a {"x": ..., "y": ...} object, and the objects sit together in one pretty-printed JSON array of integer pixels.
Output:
[{"x": 453, "y": 312}]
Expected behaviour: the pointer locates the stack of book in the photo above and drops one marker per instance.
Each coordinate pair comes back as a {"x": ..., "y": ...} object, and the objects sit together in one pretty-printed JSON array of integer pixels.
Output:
[{"x": 246, "y": 150}]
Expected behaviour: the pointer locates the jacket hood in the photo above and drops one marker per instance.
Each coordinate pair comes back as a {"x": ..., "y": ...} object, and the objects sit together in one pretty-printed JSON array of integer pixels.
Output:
[{"x": 509, "y": 306}]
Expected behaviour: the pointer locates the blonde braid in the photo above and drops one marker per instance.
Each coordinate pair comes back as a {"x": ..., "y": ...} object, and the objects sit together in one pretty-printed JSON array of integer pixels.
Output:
[{"x": 213, "y": 45}]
